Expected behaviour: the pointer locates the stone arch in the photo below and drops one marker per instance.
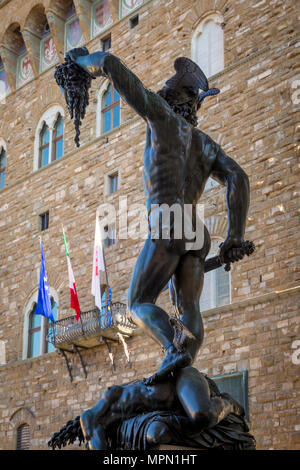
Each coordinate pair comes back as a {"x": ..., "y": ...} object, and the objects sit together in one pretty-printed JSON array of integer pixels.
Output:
[
  {"x": 203, "y": 8},
  {"x": 217, "y": 226},
  {"x": 60, "y": 7},
  {"x": 36, "y": 31},
  {"x": 12, "y": 37},
  {"x": 21, "y": 416},
  {"x": 35, "y": 19},
  {"x": 15, "y": 54}
]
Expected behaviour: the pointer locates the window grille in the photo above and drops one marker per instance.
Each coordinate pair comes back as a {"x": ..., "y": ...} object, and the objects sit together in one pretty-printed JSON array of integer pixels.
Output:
[{"x": 23, "y": 437}]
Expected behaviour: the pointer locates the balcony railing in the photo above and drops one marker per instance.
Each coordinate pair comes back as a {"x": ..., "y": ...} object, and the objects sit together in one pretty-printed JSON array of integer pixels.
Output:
[{"x": 91, "y": 326}]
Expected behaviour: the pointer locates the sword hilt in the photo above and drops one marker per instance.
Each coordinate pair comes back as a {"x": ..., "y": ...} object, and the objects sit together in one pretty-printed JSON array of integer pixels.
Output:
[{"x": 215, "y": 262}]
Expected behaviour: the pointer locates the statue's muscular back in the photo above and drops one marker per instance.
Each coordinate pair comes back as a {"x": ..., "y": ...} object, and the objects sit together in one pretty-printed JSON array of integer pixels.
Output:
[{"x": 177, "y": 160}]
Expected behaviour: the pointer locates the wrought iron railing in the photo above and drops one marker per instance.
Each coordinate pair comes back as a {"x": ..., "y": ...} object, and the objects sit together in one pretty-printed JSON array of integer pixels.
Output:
[{"x": 90, "y": 322}]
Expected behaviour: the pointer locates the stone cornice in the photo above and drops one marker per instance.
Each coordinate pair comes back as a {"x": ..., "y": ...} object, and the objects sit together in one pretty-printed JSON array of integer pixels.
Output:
[{"x": 258, "y": 299}]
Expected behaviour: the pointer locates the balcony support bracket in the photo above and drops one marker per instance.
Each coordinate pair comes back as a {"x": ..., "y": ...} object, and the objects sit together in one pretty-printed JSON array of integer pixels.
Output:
[
  {"x": 110, "y": 354},
  {"x": 63, "y": 352},
  {"x": 80, "y": 358}
]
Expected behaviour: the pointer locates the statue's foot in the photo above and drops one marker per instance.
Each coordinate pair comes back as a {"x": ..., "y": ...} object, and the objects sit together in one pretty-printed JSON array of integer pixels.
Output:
[
  {"x": 174, "y": 360},
  {"x": 236, "y": 407}
]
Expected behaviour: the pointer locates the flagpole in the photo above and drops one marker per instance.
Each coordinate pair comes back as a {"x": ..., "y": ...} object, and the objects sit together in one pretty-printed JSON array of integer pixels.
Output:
[
  {"x": 107, "y": 289},
  {"x": 40, "y": 238}
]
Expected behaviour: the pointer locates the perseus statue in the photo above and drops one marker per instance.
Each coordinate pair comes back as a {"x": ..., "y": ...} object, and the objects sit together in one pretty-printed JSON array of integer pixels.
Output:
[{"x": 178, "y": 160}]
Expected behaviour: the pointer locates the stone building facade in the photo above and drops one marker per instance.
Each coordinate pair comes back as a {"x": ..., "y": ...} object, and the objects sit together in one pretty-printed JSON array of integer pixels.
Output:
[{"x": 256, "y": 119}]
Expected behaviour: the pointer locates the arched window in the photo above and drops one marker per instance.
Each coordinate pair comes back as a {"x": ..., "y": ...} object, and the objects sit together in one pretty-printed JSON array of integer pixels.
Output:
[
  {"x": 208, "y": 45},
  {"x": 44, "y": 146},
  {"x": 36, "y": 329},
  {"x": 2, "y": 167},
  {"x": 58, "y": 138},
  {"x": 49, "y": 137},
  {"x": 216, "y": 287},
  {"x": 110, "y": 109},
  {"x": 34, "y": 334},
  {"x": 23, "y": 437}
]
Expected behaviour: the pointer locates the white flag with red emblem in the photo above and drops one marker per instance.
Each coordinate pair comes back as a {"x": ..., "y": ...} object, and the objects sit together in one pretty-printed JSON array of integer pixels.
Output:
[
  {"x": 74, "y": 302},
  {"x": 98, "y": 265}
]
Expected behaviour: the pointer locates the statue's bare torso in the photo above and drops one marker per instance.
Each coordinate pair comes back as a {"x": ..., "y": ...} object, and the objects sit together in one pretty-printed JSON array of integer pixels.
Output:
[{"x": 176, "y": 169}]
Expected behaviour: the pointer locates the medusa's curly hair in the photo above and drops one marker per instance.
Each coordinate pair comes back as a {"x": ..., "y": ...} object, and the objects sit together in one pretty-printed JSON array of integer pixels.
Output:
[
  {"x": 76, "y": 83},
  {"x": 67, "y": 435}
]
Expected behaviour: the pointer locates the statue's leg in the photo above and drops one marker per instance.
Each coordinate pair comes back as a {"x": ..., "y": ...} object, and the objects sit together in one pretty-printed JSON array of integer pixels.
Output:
[
  {"x": 187, "y": 283},
  {"x": 185, "y": 290},
  {"x": 194, "y": 394},
  {"x": 158, "y": 433},
  {"x": 154, "y": 267}
]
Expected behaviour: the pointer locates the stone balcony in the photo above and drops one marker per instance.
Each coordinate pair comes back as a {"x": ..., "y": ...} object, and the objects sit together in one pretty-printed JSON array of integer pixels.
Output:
[{"x": 92, "y": 326}]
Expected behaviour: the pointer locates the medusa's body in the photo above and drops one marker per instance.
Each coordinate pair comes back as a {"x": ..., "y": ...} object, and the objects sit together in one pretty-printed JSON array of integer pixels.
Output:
[{"x": 188, "y": 396}]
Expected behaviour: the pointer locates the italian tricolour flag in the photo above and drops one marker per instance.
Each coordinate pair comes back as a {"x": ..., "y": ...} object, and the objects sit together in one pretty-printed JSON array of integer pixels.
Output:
[{"x": 74, "y": 302}]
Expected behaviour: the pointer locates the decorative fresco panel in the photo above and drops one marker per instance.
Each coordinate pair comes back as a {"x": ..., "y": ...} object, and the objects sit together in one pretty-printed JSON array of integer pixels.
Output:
[
  {"x": 74, "y": 36},
  {"x": 102, "y": 18},
  {"x": 25, "y": 71},
  {"x": 49, "y": 55}
]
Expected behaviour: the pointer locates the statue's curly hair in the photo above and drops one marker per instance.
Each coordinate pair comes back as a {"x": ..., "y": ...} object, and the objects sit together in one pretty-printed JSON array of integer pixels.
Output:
[
  {"x": 186, "y": 110},
  {"x": 76, "y": 83}
]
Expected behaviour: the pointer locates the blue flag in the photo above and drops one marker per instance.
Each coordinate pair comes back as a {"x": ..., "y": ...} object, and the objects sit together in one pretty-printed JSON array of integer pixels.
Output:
[{"x": 44, "y": 302}]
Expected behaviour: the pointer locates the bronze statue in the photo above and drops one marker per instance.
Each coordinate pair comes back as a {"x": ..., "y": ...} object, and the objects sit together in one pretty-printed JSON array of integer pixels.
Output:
[{"x": 178, "y": 160}]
